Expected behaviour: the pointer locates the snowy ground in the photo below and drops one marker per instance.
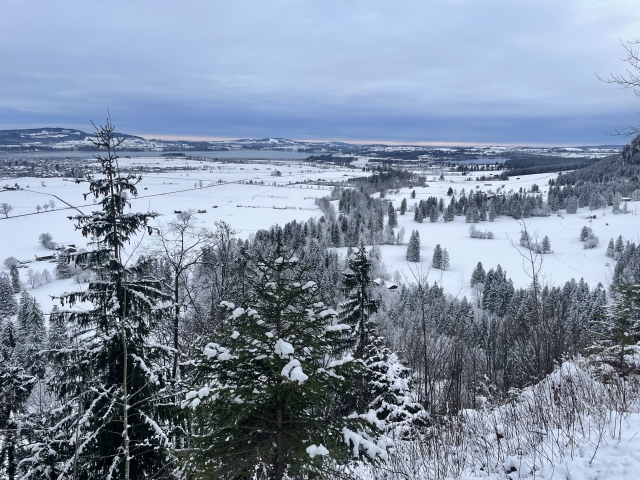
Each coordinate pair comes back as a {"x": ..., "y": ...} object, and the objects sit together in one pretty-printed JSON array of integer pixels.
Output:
[
  {"x": 615, "y": 458},
  {"x": 248, "y": 208},
  {"x": 568, "y": 260}
]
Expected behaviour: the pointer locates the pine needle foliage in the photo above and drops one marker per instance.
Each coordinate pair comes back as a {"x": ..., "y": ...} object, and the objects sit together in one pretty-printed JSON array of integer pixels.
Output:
[
  {"x": 16, "y": 384},
  {"x": 389, "y": 386},
  {"x": 360, "y": 304},
  {"x": 268, "y": 398},
  {"x": 616, "y": 332},
  {"x": 105, "y": 378},
  {"x": 413, "y": 249}
]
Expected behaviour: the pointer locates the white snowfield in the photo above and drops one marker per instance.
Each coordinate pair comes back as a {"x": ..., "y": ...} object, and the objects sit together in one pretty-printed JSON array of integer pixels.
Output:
[
  {"x": 532, "y": 437},
  {"x": 223, "y": 193},
  {"x": 568, "y": 258},
  {"x": 615, "y": 458}
]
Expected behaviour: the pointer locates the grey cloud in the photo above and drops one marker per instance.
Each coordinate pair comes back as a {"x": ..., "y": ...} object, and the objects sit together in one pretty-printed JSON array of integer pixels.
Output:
[{"x": 490, "y": 71}]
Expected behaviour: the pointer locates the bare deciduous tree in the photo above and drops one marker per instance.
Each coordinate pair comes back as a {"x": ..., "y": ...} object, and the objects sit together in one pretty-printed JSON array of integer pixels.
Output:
[
  {"x": 181, "y": 245},
  {"x": 628, "y": 80},
  {"x": 5, "y": 209}
]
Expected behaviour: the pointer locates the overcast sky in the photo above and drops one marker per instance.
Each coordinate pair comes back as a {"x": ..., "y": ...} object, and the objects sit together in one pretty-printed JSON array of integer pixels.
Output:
[{"x": 442, "y": 71}]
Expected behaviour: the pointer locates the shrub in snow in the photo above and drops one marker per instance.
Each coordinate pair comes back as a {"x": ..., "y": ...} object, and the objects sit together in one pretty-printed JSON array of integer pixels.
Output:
[
  {"x": 591, "y": 242},
  {"x": 525, "y": 239},
  {"x": 527, "y": 242},
  {"x": 587, "y": 236},
  {"x": 11, "y": 262},
  {"x": 530, "y": 433},
  {"x": 34, "y": 279},
  {"x": 475, "y": 233},
  {"x": 46, "y": 240}
]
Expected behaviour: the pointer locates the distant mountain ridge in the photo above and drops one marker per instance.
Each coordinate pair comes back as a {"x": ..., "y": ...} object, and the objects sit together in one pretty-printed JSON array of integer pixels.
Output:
[
  {"x": 45, "y": 136},
  {"x": 69, "y": 139},
  {"x": 61, "y": 139}
]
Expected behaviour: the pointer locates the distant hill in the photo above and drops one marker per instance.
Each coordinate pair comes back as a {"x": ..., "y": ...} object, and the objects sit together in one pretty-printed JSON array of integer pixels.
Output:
[
  {"x": 45, "y": 136},
  {"x": 69, "y": 139},
  {"x": 49, "y": 138},
  {"x": 530, "y": 158}
]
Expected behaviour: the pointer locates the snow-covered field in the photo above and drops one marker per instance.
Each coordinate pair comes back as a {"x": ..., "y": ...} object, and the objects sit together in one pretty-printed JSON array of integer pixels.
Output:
[
  {"x": 249, "y": 207},
  {"x": 568, "y": 260},
  {"x": 246, "y": 207}
]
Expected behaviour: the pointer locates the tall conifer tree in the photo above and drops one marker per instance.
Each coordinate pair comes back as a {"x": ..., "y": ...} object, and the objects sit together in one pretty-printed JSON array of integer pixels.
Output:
[
  {"x": 269, "y": 398},
  {"x": 413, "y": 249},
  {"x": 108, "y": 371}
]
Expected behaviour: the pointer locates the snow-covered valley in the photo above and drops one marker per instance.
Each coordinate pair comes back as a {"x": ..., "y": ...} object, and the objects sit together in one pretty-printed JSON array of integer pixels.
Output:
[
  {"x": 248, "y": 198},
  {"x": 493, "y": 430}
]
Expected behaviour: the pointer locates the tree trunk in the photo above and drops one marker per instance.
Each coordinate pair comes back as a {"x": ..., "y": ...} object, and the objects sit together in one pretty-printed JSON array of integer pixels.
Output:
[
  {"x": 176, "y": 324},
  {"x": 11, "y": 462},
  {"x": 280, "y": 464},
  {"x": 279, "y": 467},
  {"x": 125, "y": 405}
]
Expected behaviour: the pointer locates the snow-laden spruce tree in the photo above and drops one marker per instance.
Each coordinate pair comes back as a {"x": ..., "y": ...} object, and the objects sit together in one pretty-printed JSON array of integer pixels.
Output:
[
  {"x": 41, "y": 442},
  {"x": 433, "y": 214},
  {"x": 385, "y": 384},
  {"x": 57, "y": 335},
  {"x": 64, "y": 269},
  {"x": 15, "y": 278},
  {"x": 610, "y": 249},
  {"x": 478, "y": 275},
  {"x": 584, "y": 233},
  {"x": 360, "y": 304},
  {"x": 8, "y": 305},
  {"x": 106, "y": 378},
  {"x": 436, "y": 260},
  {"x": 388, "y": 386},
  {"x": 616, "y": 330},
  {"x": 16, "y": 384},
  {"x": 268, "y": 398},
  {"x": 446, "y": 261},
  {"x": 449, "y": 213},
  {"x": 33, "y": 335},
  {"x": 413, "y": 249},
  {"x": 417, "y": 216},
  {"x": 393, "y": 219}
]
